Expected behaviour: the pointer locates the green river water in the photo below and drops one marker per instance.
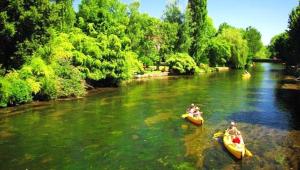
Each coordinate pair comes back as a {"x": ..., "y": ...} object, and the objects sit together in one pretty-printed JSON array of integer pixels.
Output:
[{"x": 138, "y": 126}]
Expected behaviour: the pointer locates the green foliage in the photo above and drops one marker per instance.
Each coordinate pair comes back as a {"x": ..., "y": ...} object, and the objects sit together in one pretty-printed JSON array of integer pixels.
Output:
[
  {"x": 70, "y": 82},
  {"x": 14, "y": 90},
  {"x": 172, "y": 13},
  {"x": 182, "y": 63},
  {"x": 58, "y": 51},
  {"x": 40, "y": 77},
  {"x": 218, "y": 51},
  {"x": 255, "y": 44},
  {"x": 238, "y": 47},
  {"x": 24, "y": 27},
  {"x": 168, "y": 41},
  {"x": 224, "y": 26},
  {"x": 200, "y": 28},
  {"x": 263, "y": 53},
  {"x": 105, "y": 16},
  {"x": 279, "y": 46},
  {"x": 4, "y": 92},
  {"x": 185, "y": 32},
  {"x": 132, "y": 65},
  {"x": 294, "y": 37}
]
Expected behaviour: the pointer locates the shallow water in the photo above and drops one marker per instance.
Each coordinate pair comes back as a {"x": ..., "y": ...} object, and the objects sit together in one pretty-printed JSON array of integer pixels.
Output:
[{"x": 138, "y": 126}]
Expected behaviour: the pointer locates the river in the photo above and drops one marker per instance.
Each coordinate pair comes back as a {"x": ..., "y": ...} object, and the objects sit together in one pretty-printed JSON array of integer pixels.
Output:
[{"x": 138, "y": 126}]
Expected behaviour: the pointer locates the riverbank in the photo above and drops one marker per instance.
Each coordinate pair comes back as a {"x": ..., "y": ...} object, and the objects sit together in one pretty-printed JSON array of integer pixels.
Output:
[
  {"x": 290, "y": 83},
  {"x": 17, "y": 109}
]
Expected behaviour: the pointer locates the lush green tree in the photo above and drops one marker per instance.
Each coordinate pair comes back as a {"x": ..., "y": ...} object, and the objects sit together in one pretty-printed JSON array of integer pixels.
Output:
[
  {"x": 172, "y": 27},
  {"x": 172, "y": 12},
  {"x": 185, "y": 38},
  {"x": 263, "y": 53},
  {"x": 253, "y": 37},
  {"x": 210, "y": 30},
  {"x": 198, "y": 10},
  {"x": 103, "y": 16},
  {"x": 23, "y": 28},
  {"x": 279, "y": 46},
  {"x": 169, "y": 39},
  {"x": 238, "y": 47},
  {"x": 294, "y": 36},
  {"x": 218, "y": 51}
]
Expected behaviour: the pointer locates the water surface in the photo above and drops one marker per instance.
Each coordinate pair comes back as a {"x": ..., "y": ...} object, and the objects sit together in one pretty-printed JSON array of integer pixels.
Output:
[{"x": 138, "y": 126}]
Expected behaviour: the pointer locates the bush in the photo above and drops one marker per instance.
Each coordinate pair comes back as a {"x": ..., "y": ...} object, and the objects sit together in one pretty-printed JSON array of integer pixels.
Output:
[
  {"x": 48, "y": 89},
  {"x": 14, "y": 90},
  {"x": 182, "y": 63},
  {"x": 70, "y": 82},
  {"x": 4, "y": 92}
]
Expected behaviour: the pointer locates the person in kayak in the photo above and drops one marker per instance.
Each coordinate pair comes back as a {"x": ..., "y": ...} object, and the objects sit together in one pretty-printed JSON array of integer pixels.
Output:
[
  {"x": 192, "y": 106},
  {"x": 197, "y": 112},
  {"x": 235, "y": 133},
  {"x": 190, "y": 110}
]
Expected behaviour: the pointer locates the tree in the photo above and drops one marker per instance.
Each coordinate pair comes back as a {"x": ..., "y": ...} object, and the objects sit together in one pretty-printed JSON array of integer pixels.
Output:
[
  {"x": 173, "y": 19},
  {"x": 24, "y": 27},
  {"x": 65, "y": 14},
  {"x": 294, "y": 36},
  {"x": 279, "y": 46},
  {"x": 103, "y": 16},
  {"x": 198, "y": 10},
  {"x": 172, "y": 13},
  {"x": 185, "y": 33},
  {"x": 253, "y": 37},
  {"x": 218, "y": 51},
  {"x": 238, "y": 47}
]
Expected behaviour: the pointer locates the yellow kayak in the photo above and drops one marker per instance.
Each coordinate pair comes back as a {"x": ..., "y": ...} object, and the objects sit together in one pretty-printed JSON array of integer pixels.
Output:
[
  {"x": 195, "y": 120},
  {"x": 246, "y": 75},
  {"x": 238, "y": 150}
]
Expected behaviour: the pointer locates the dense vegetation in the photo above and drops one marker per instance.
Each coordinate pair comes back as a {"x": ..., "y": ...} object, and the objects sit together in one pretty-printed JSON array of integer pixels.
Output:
[
  {"x": 47, "y": 50},
  {"x": 286, "y": 46}
]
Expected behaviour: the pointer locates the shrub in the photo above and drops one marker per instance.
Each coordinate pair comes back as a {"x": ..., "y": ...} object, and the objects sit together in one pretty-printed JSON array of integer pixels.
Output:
[
  {"x": 70, "y": 82},
  {"x": 4, "y": 92},
  {"x": 182, "y": 63},
  {"x": 14, "y": 90},
  {"x": 48, "y": 89}
]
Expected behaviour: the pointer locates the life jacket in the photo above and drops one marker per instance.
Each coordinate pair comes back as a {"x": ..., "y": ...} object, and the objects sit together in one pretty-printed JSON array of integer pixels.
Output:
[{"x": 236, "y": 140}]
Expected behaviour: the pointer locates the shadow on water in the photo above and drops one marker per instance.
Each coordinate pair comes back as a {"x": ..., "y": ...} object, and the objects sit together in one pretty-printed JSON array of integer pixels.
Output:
[
  {"x": 289, "y": 100},
  {"x": 270, "y": 119}
]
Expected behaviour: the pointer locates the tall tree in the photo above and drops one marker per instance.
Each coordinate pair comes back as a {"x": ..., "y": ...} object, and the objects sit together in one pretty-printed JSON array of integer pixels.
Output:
[
  {"x": 253, "y": 37},
  {"x": 199, "y": 15},
  {"x": 172, "y": 12},
  {"x": 173, "y": 20},
  {"x": 185, "y": 37},
  {"x": 279, "y": 46},
  {"x": 294, "y": 36}
]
